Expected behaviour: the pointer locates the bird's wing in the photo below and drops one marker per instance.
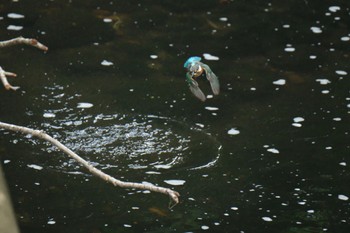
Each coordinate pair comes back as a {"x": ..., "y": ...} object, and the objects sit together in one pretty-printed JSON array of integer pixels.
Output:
[
  {"x": 195, "y": 88},
  {"x": 213, "y": 79}
]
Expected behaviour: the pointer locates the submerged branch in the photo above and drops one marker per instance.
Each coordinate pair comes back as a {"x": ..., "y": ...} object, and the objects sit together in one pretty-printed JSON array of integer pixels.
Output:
[
  {"x": 40, "y": 134},
  {"x": 16, "y": 41}
]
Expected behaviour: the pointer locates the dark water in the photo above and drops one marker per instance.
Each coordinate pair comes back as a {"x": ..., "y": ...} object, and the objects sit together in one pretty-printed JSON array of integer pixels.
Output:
[{"x": 270, "y": 154}]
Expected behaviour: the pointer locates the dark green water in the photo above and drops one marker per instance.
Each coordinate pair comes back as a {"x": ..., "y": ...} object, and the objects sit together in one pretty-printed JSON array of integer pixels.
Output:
[{"x": 270, "y": 154}]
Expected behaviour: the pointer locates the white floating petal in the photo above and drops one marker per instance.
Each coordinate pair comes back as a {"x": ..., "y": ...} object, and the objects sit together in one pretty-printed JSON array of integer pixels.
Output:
[
  {"x": 323, "y": 81},
  {"x": 49, "y": 115},
  {"x": 106, "y": 63},
  {"x": 175, "y": 182},
  {"x": 273, "y": 150},
  {"x": 14, "y": 28},
  {"x": 343, "y": 197},
  {"x": 341, "y": 72},
  {"x": 316, "y": 30},
  {"x": 208, "y": 56},
  {"x": 211, "y": 108},
  {"x": 334, "y": 8},
  {"x": 267, "y": 219},
  {"x": 36, "y": 167},
  {"x": 15, "y": 16},
  {"x": 233, "y": 131},
  {"x": 279, "y": 82},
  {"x": 298, "y": 119},
  {"x": 84, "y": 105}
]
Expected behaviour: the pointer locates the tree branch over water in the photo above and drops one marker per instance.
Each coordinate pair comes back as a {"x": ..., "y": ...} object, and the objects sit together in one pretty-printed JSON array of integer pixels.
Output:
[
  {"x": 42, "y": 135},
  {"x": 19, "y": 40}
]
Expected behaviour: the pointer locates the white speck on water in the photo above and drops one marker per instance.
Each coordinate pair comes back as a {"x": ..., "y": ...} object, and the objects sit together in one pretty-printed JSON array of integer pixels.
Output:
[
  {"x": 106, "y": 63},
  {"x": 301, "y": 202},
  {"x": 200, "y": 125},
  {"x": 267, "y": 219},
  {"x": 273, "y": 150},
  {"x": 343, "y": 197},
  {"x": 15, "y": 16},
  {"x": 328, "y": 148},
  {"x": 345, "y": 38},
  {"x": 84, "y": 105},
  {"x": 253, "y": 89},
  {"x": 279, "y": 82},
  {"x": 49, "y": 115},
  {"x": 210, "y": 57},
  {"x": 325, "y": 92},
  {"x": 342, "y": 164},
  {"x": 334, "y": 8},
  {"x": 316, "y": 30},
  {"x": 336, "y": 119},
  {"x": 234, "y": 208},
  {"x": 223, "y": 19},
  {"x": 233, "y": 131},
  {"x": 310, "y": 211},
  {"x": 162, "y": 166},
  {"x": 36, "y": 167},
  {"x": 289, "y": 49},
  {"x": 297, "y": 125},
  {"x": 210, "y": 96},
  {"x": 211, "y": 108},
  {"x": 127, "y": 225},
  {"x": 175, "y": 182},
  {"x": 6, "y": 161},
  {"x": 51, "y": 222},
  {"x": 205, "y": 227},
  {"x": 298, "y": 119},
  {"x": 286, "y": 26},
  {"x": 135, "y": 208},
  {"x": 153, "y": 56},
  {"x": 312, "y": 57},
  {"x": 341, "y": 72},
  {"x": 14, "y": 28},
  {"x": 37, "y": 183},
  {"x": 107, "y": 20},
  {"x": 153, "y": 173},
  {"x": 323, "y": 81}
]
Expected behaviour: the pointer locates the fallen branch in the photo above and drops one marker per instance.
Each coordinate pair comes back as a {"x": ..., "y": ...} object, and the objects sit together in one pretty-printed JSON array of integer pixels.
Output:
[
  {"x": 16, "y": 41},
  {"x": 40, "y": 134}
]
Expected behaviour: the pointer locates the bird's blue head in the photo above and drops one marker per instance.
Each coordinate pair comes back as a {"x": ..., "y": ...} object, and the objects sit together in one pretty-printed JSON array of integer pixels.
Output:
[{"x": 191, "y": 60}]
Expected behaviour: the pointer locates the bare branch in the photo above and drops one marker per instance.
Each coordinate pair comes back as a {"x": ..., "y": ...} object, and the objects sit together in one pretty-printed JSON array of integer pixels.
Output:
[
  {"x": 16, "y": 41},
  {"x": 40, "y": 134},
  {"x": 22, "y": 40}
]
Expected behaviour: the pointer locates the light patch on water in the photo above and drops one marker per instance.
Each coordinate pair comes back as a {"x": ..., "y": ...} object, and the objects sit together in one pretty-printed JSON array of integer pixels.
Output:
[
  {"x": 343, "y": 197},
  {"x": 298, "y": 119},
  {"x": 233, "y": 131},
  {"x": 342, "y": 164},
  {"x": 286, "y": 26},
  {"x": 267, "y": 219},
  {"x": 289, "y": 48},
  {"x": 279, "y": 82},
  {"x": 84, "y": 105},
  {"x": 34, "y": 166},
  {"x": 234, "y": 208},
  {"x": 323, "y": 81},
  {"x": 204, "y": 227},
  {"x": 325, "y": 92},
  {"x": 49, "y": 115},
  {"x": 336, "y": 119},
  {"x": 51, "y": 222},
  {"x": 211, "y": 108},
  {"x": 345, "y": 38},
  {"x": 153, "y": 56},
  {"x": 6, "y": 161},
  {"x": 334, "y": 8},
  {"x": 312, "y": 57},
  {"x": 223, "y": 19},
  {"x": 14, "y": 28},
  {"x": 106, "y": 63},
  {"x": 175, "y": 182},
  {"x": 273, "y": 150},
  {"x": 127, "y": 225},
  {"x": 298, "y": 125},
  {"x": 107, "y": 20},
  {"x": 341, "y": 72},
  {"x": 210, "y": 96},
  {"x": 210, "y": 57},
  {"x": 316, "y": 30},
  {"x": 15, "y": 16}
]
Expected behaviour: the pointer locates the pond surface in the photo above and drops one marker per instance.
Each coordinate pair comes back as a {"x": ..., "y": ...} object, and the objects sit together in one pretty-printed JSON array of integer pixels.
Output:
[{"x": 271, "y": 153}]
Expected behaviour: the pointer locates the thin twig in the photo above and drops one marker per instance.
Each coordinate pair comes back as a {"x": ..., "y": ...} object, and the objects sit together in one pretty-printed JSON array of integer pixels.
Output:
[
  {"x": 42, "y": 135},
  {"x": 16, "y": 41}
]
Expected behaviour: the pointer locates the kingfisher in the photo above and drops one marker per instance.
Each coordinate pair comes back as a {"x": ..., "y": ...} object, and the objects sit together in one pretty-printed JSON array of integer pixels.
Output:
[{"x": 195, "y": 68}]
